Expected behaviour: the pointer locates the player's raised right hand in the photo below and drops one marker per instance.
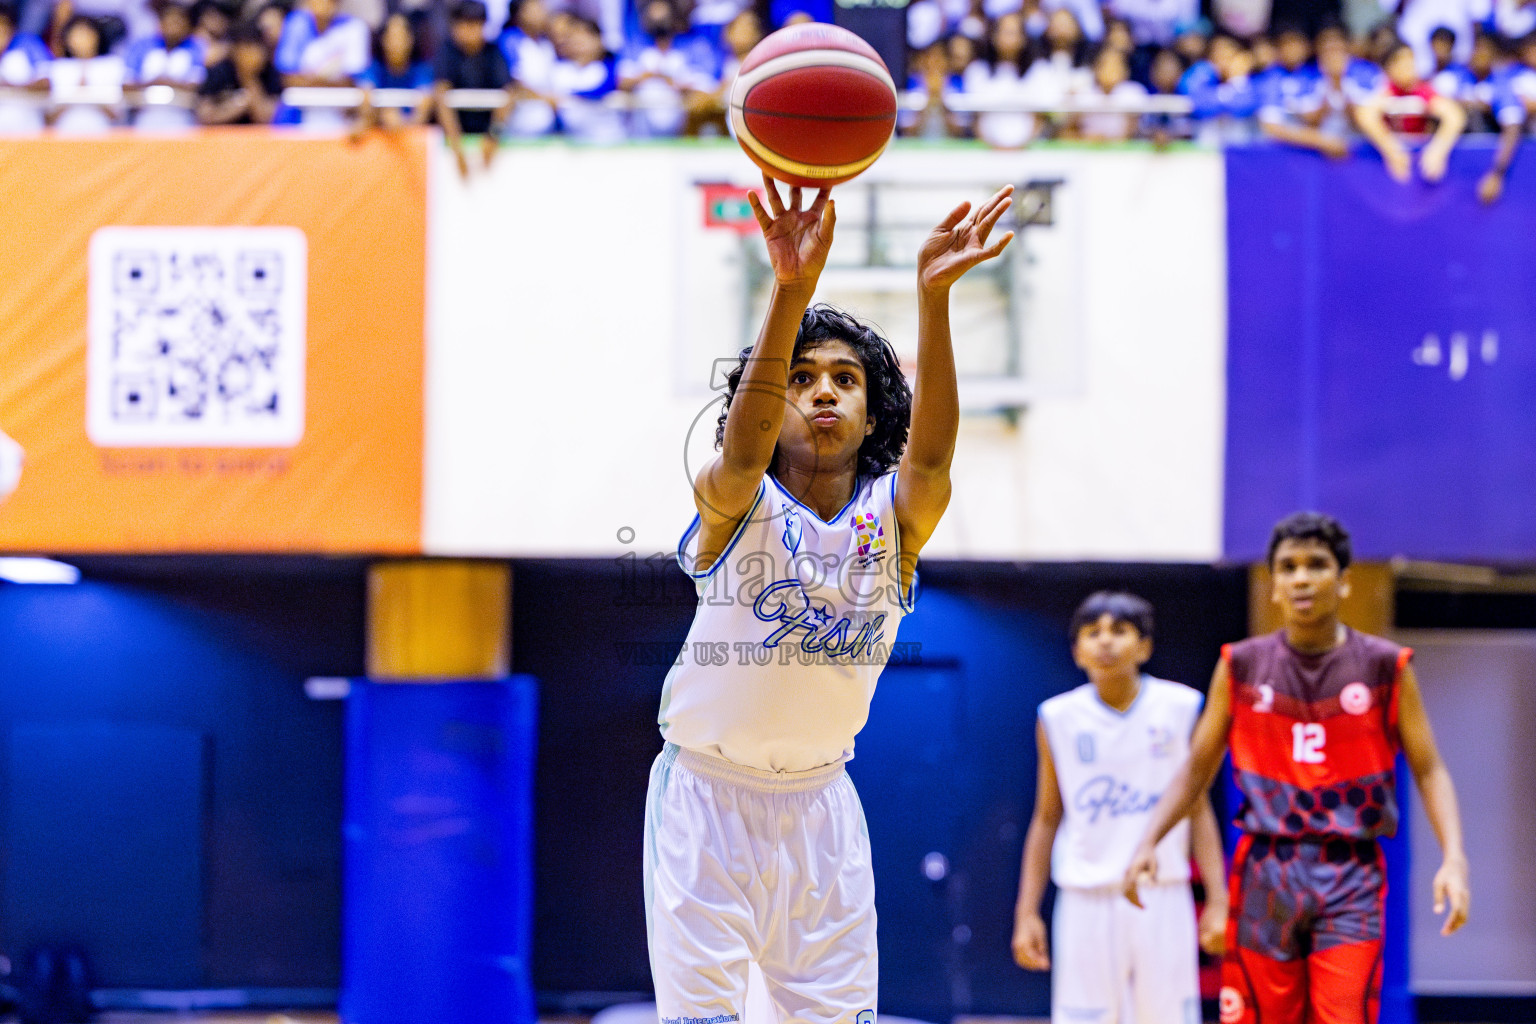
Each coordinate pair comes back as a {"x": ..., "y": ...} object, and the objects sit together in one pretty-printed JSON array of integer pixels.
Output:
[
  {"x": 1143, "y": 868},
  {"x": 798, "y": 240},
  {"x": 1029, "y": 946}
]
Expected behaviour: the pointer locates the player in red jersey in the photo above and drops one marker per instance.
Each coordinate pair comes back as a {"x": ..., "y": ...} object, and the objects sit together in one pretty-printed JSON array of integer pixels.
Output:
[{"x": 1315, "y": 715}]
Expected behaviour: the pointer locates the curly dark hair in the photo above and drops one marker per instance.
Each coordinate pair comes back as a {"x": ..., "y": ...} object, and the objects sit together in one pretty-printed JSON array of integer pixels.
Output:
[
  {"x": 1324, "y": 529},
  {"x": 889, "y": 394}
]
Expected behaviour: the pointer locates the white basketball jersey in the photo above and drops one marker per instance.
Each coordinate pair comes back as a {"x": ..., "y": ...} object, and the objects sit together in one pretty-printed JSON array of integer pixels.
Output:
[
  {"x": 795, "y": 621},
  {"x": 1111, "y": 768}
]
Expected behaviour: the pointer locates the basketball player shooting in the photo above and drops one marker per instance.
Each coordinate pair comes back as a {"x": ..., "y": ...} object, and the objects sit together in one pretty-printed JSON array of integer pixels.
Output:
[
  {"x": 832, "y": 475},
  {"x": 1315, "y": 714}
]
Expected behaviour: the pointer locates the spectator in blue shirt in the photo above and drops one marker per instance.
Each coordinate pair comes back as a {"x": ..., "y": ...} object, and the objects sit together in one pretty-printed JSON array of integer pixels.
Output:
[
  {"x": 583, "y": 79},
  {"x": 397, "y": 64},
  {"x": 662, "y": 79},
  {"x": 321, "y": 46},
  {"x": 397, "y": 58},
  {"x": 525, "y": 42},
  {"x": 1450, "y": 77},
  {"x": 1291, "y": 76},
  {"x": 173, "y": 58},
  {"x": 1309, "y": 108},
  {"x": 741, "y": 34},
  {"x": 23, "y": 65},
  {"x": 1221, "y": 91},
  {"x": 1514, "y": 101}
]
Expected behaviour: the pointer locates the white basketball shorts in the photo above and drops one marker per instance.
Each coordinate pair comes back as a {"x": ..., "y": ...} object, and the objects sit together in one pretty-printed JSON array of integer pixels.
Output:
[
  {"x": 1112, "y": 963},
  {"x": 744, "y": 865}
]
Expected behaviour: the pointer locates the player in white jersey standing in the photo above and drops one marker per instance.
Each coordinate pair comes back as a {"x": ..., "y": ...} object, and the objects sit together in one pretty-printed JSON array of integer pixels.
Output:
[
  {"x": 1107, "y": 750},
  {"x": 804, "y": 552}
]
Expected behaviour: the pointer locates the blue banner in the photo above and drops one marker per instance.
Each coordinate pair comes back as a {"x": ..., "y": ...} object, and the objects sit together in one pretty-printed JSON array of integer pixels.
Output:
[{"x": 1382, "y": 355}]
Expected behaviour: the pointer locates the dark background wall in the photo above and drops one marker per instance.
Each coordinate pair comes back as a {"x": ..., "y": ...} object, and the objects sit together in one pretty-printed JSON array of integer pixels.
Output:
[
  {"x": 171, "y": 799},
  {"x": 945, "y": 766}
]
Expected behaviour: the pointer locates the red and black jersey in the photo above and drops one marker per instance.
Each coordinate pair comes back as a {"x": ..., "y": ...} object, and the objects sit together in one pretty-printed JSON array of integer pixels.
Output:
[{"x": 1314, "y": 736}]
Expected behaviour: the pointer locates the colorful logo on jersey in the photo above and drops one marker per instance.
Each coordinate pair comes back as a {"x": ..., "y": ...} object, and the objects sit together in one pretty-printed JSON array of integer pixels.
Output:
[
  {"x": 865, "y": 1017},
  {"x": 1085, "y": 747},
  {"x": 1231, "y": 1005},
  {"x": 791, "y": 530},
  {"x": 870, "y": 534},
  {"x": 1162, "y": 740},
  {"x": 1355, "y": 698}
]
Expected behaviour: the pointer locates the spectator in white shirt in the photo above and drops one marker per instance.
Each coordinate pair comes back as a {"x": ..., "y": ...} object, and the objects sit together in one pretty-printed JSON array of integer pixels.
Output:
[
  {"x": 1112, "y": 83},
  {"x": 322, "y": 47},
  {"x": 583, "y": 79},
  {"x": 531, "y": 56},
  {"x": 84, "y": 66},
  {"x": 1060, "y": 73},
  {"x": 997, "y": 82}
]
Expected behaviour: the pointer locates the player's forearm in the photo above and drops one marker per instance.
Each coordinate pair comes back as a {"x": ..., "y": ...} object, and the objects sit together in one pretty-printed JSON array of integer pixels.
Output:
[
  {"x": 1188, "y": 785},
  {"x": 757, "y": 410},
  {"x": 936, "y": 395},
  {"x": 1440, "y": 804},
  {"x": 1035, "y": 871},
  {"x": 1205, "y": 841}
]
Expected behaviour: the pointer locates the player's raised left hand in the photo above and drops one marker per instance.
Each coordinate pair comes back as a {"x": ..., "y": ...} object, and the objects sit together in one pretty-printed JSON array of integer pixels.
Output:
[
  {"x": 1453, "y": 892},
  {"x": 960, "y": 241}
]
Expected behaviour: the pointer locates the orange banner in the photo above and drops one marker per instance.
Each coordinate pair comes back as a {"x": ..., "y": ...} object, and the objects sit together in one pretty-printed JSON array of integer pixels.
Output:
[{"x": 212, "y": 343}]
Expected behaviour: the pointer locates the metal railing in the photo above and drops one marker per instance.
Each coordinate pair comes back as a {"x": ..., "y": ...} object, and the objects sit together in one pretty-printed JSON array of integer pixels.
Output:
[{"x": 353, "y": 97}]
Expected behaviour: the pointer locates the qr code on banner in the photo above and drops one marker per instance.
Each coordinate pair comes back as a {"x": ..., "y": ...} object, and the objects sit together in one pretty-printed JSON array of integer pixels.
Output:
[{"x": 196, "y": 337}]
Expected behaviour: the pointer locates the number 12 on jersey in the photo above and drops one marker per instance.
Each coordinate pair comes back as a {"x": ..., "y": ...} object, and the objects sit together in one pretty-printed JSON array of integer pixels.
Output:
[{"x": 1307, "y": 739}]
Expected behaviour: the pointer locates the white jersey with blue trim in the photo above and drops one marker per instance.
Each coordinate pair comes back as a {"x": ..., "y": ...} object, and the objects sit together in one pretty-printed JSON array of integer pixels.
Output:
[
  {"x": 795, "y": 621},
  {"x": 1111, "y": 768}
]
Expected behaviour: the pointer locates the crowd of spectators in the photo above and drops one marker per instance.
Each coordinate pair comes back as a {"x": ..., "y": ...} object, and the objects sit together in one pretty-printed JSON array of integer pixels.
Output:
[
  {"x": 1428, "y": 72},
  {"x": 1006, "y": 72}
]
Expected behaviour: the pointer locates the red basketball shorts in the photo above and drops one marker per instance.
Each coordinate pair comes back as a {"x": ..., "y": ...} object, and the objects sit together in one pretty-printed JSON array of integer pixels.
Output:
[{"x": 1304, "y": 935}]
